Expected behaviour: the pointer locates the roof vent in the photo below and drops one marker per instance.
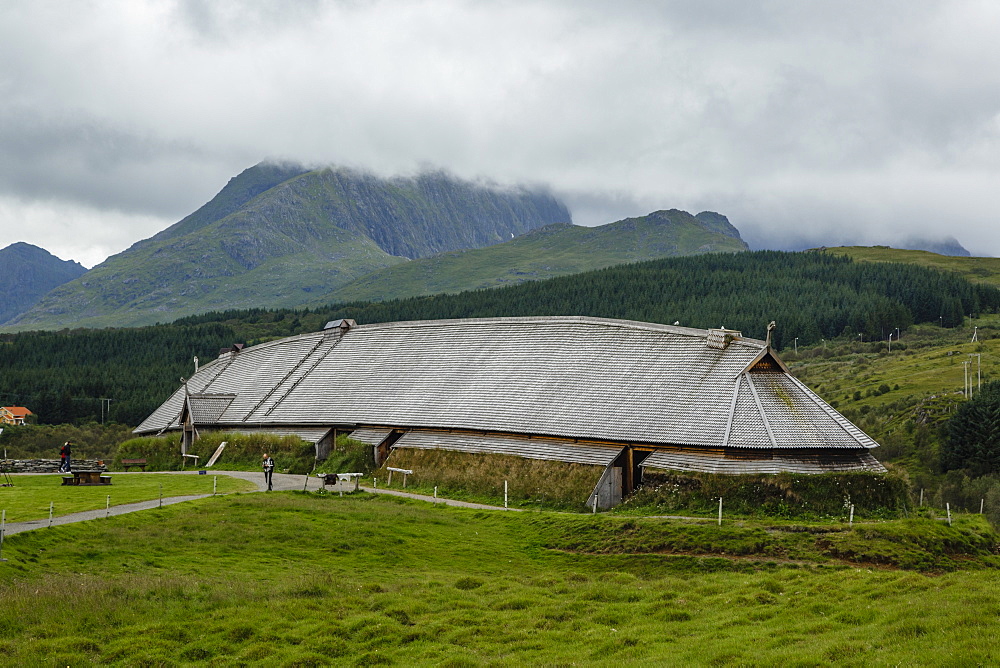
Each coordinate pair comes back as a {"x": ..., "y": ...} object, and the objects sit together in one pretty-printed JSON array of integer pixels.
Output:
[
  {"x": 343, "y": 325},
  {"x": 721, "y": 338},
  {"x": 235, "y": 348}
]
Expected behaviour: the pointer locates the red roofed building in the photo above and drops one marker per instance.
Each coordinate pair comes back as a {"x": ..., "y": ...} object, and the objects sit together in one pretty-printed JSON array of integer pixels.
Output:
[{"x": 14, "y": 414}]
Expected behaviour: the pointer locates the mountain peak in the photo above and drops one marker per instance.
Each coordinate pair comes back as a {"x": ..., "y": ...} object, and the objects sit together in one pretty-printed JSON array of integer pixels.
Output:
[
  {"x": 278, "y": 234},
  {"x": 27, "y": 273}
]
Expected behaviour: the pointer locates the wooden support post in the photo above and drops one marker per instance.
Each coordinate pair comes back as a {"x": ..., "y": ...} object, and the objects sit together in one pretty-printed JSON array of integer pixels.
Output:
[{"x": 629, "y": 477}]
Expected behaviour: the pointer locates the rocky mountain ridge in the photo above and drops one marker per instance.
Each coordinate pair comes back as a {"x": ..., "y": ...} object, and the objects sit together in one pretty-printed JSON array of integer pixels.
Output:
[{"x": 278, "y": 235}]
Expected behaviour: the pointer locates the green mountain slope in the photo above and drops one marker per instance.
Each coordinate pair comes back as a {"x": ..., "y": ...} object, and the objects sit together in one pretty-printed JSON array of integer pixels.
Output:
[
  {"x": 28, "y": 272},
  {"x": 975, "y": 269},
  {"x": 555, "y": 250},
  {"x": 278, "y": 236}
]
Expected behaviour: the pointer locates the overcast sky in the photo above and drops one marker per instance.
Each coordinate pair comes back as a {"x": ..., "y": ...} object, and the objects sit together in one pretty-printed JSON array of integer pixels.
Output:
[{"x": 806, "y": 123}]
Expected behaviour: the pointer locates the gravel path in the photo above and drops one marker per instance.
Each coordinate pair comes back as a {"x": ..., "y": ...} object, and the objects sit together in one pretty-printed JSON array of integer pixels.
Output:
[{"x": 282, "y": 482}]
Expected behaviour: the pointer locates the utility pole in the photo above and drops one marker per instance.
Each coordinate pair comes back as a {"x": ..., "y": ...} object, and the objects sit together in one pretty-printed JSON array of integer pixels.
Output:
[
  {"x": 965, "y": 387},
  {"x": 979, "y": 371},
  {"x": 103, "y": 401}
]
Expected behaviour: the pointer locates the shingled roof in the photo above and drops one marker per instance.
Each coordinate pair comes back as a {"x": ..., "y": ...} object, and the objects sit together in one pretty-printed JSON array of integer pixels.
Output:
[{"x": 581, "y": 378}]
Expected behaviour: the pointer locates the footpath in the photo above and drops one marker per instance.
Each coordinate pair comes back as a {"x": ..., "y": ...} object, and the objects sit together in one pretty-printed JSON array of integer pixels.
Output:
[{"x": 281, "y": 482}]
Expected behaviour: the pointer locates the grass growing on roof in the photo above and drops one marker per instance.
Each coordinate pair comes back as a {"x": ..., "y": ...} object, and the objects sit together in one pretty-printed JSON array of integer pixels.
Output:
[
  {"x": 243, "y": 452},
  {"x": 31, "y": 495},
  {"x": 531, "y": 483},
  {"x": 778, "y": 495},
  {"x": 299, "y": 579}
]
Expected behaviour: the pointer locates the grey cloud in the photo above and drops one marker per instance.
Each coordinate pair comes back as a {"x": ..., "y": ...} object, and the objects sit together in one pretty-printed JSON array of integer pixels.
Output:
[{"x": 799, "y": 121}]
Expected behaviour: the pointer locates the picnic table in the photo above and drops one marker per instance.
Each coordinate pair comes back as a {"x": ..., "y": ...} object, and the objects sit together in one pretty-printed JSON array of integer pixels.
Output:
[{"x": 84, "y": 478}]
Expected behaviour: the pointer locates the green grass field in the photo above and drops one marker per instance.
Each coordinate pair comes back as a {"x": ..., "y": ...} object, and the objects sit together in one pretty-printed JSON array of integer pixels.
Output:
[
  {"x": 31, "y": 495},
  {"x": 975, "y": 269},
  {"x": 297, "y": 579}
]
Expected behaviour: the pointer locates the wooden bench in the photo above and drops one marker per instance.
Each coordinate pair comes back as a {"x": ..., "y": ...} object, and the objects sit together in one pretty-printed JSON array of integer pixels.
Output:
[{"x": 128, "y": 463}]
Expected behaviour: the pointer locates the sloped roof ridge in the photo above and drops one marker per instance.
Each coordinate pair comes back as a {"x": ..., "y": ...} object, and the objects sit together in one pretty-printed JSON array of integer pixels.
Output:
[
  {"x": 852, "y": 430},
  {"x": 558, "y": 319}
]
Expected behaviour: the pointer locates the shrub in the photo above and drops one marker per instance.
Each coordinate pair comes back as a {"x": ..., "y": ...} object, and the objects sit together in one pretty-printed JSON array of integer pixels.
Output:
[{"x": 42, "y": 441}]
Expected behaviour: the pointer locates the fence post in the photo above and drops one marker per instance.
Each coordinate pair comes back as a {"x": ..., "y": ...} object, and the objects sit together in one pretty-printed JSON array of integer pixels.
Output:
[
  {"x": 107, "y": 508},
  {"x": 851, "y": 520},
  {"x": 3, "y": 530},
  {"x": 374, "y": 482},
  {"x": 435, "y": 491},
  {"x": 504, "y": 493},
  {"x": 215, "y": 484},
  {"x": 389, "y": 484},
  {"x": 921, "y": 497},
  {"x": 51, "y": 504},
  {"x": 981, "y": 502},
  {"x": 161, "y": 495},
  {"x": 720, "y": 511},
  {"x": 947, "y": 507}
]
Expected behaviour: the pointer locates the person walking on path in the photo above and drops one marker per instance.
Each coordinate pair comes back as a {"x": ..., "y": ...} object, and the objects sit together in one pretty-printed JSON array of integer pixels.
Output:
[
  {"x": 268, "y": 470},
  {"x": 64, "y": 456}
]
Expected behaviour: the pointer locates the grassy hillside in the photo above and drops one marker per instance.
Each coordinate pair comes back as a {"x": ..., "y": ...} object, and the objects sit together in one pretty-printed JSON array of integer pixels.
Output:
[
  {"x": 555, "y": 250},
  {"x": 294, "y": 579},
  {"x": 902, "y": 398},
  {"x": 975, "y": 269}
]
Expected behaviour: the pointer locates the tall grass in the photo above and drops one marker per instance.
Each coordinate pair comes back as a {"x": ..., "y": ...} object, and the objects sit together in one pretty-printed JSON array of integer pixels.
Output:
[
  {"x": 530, "y": 482},
  {"x": 349, "y": 456}
]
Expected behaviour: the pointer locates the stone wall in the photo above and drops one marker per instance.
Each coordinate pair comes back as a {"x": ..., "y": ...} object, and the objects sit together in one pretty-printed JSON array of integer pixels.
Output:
[{"x": 48, "y": 465}]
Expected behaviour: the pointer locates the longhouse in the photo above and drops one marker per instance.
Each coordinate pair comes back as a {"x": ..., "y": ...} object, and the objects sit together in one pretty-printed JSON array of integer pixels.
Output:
[{"x": 624, "y": 396}]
